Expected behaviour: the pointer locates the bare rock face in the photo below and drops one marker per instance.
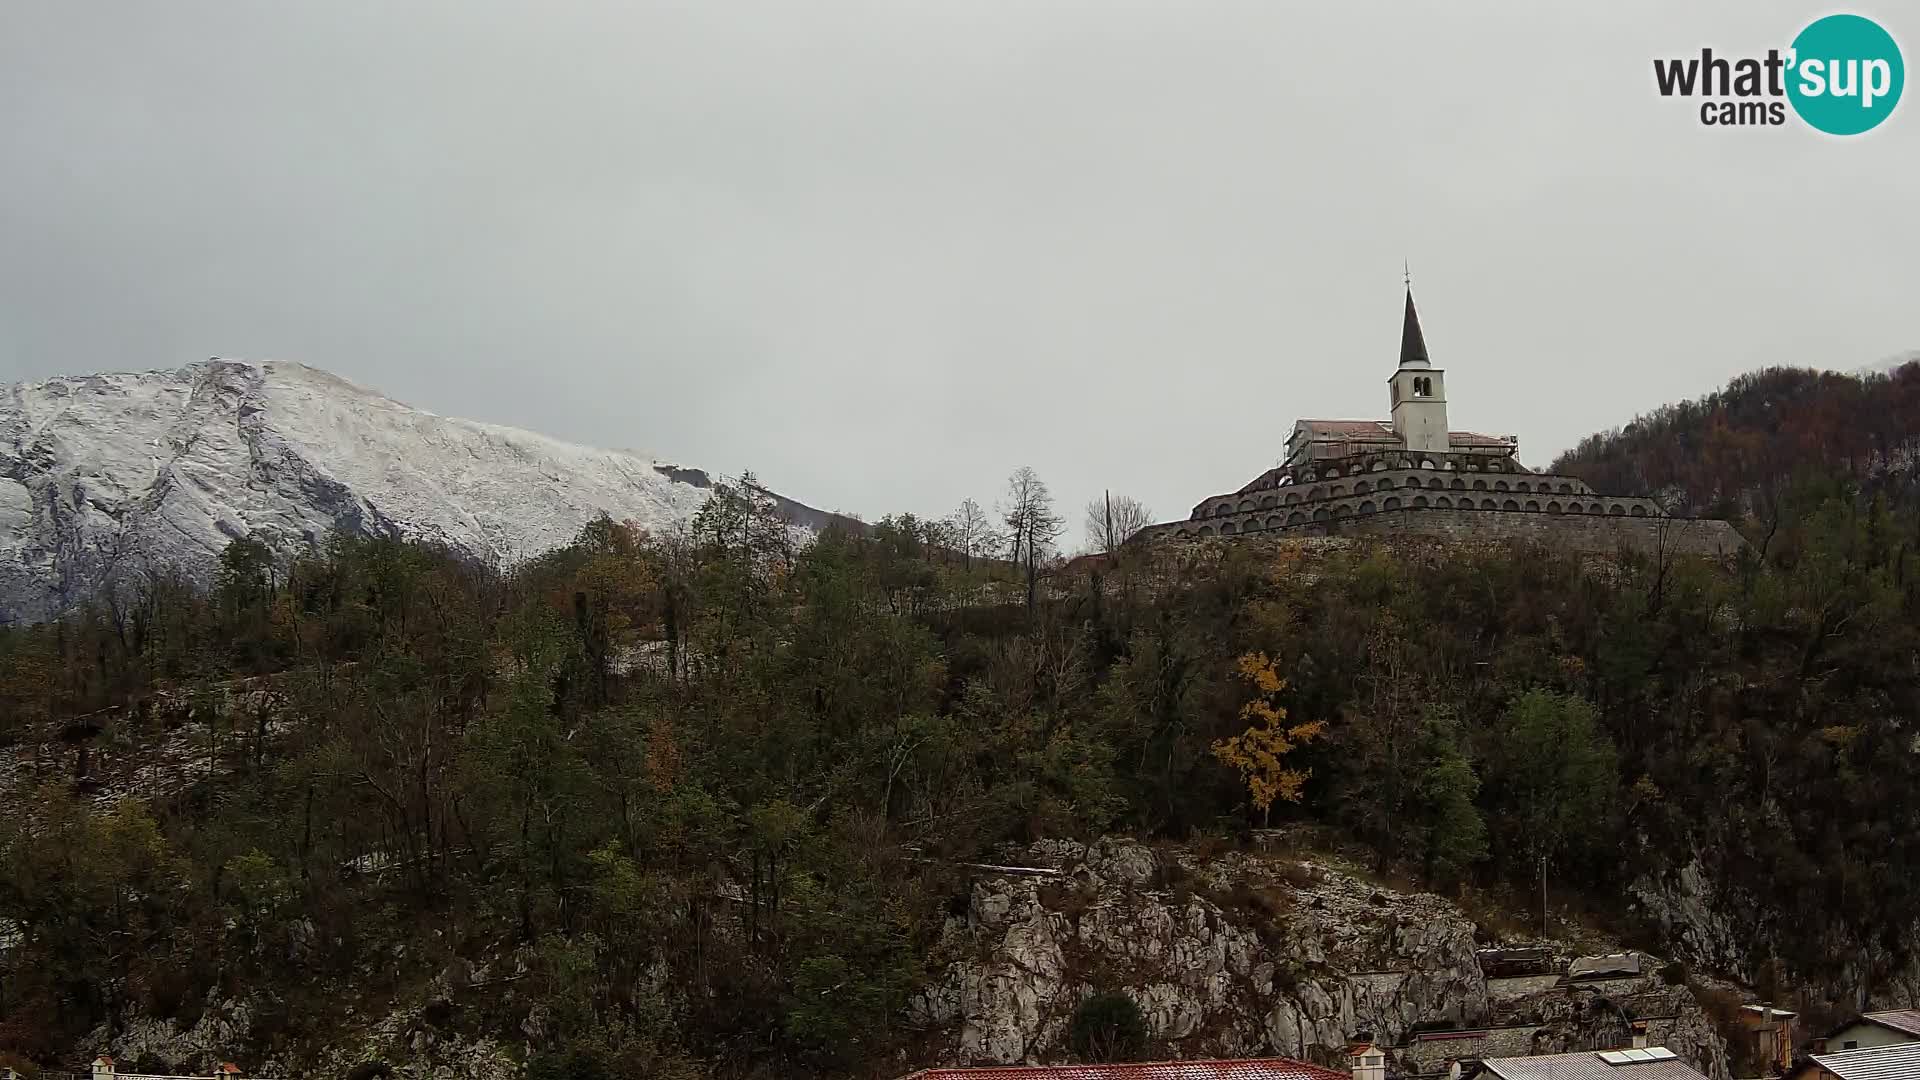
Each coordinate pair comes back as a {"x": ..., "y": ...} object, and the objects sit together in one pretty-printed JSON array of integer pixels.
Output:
[
  {"x": 1226, "y": 956},
  {"x": 416, "y": 1051},
  {"x": 1717, "y": 927},
  {"x": 1694, "y": 912},
  {"x": 1226, "y": 962},
  {"x": 198, "y": 1048},
  {"x": 1244, "y": 955},
  {"x": 404, "y": 1041}
]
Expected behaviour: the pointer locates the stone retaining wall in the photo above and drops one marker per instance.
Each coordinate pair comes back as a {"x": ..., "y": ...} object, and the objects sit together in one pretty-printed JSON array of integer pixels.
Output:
[
  {"x": 1680, "y": 536},
  {"x": 1514, "y": 987},
  {"x": 1596, "y": 533}
]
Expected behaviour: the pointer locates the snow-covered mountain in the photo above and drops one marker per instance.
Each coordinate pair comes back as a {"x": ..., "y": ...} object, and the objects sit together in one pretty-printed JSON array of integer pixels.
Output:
[
  {"x": 1886, "y": 367},
  {"x": 104, "y": 476}
]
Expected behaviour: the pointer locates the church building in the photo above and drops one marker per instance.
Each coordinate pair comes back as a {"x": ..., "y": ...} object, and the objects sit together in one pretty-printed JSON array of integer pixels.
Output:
[{"x": 1414, "y": 474}]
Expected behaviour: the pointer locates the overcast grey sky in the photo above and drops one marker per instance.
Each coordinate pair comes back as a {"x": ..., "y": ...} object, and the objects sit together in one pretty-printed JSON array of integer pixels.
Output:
[{"x": 882, "y": 253}]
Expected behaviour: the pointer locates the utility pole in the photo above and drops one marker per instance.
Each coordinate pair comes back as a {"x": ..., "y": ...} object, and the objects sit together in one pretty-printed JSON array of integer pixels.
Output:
[{"x": 1546, "y": 929}]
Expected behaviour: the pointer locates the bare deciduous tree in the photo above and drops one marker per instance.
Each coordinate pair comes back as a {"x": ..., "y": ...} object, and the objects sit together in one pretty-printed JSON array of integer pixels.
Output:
[
  {"x": 970, "y": 530},
  {"x": 1113, "y": 519},
  {"x": 1031, "y": 523}
]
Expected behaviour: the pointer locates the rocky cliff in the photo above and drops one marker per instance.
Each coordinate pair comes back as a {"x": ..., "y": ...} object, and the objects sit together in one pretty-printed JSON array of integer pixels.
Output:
[
  {"x": 1716, "y": 926},
  {"x": 1234, "y": 954},
  {"x": 1243, "y": 955}
]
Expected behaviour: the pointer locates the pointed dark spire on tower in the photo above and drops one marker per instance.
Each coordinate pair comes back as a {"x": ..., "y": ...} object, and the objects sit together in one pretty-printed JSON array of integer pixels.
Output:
[{"x": 1413, "y": 344}]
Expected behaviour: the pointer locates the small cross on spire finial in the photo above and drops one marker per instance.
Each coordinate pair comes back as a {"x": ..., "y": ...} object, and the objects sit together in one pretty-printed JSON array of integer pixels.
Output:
[{"x": 1409, "y": 274}]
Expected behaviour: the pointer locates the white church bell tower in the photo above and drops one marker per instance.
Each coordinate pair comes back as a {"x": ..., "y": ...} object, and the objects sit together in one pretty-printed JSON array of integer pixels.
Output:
[{"x": 1419, "y": 391}]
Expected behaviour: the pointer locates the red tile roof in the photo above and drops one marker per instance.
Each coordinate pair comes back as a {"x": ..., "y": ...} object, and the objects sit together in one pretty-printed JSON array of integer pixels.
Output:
[{"x": 1246, "y": 1069}]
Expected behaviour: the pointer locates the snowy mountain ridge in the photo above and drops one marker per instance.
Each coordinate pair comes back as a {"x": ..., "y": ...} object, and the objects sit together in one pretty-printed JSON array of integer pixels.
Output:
[
  {"x": 1885, "y": 367},
  {"x": 115, "y": 475}
]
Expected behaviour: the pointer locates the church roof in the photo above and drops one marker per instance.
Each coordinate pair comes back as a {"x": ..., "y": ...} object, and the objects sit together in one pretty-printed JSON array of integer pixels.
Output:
[
  {"x": 1349, "y": 427},
  {"x": 1383, "y": 429},
  {"x": 1413, "y": 344},
  {"x": 1474, "y": 438}
]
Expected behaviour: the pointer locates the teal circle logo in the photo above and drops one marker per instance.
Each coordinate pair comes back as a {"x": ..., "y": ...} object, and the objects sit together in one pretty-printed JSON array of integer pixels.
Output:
[{"x": 1845, "y": 74}]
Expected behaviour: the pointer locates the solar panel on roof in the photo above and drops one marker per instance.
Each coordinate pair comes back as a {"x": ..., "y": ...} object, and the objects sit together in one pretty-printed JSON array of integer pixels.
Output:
[{"x": 1636, "y": 1055}]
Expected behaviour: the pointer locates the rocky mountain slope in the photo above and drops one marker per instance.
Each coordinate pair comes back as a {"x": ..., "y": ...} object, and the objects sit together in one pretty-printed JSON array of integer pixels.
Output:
[
  {"x": 1235, "y": 954},
  {"x": 122, "y": 474},
  {"x": 1245, "y": 953}
]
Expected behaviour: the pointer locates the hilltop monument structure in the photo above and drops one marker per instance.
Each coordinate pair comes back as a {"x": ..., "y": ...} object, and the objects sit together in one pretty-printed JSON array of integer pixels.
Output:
[{"x": 1412, "y": 474}]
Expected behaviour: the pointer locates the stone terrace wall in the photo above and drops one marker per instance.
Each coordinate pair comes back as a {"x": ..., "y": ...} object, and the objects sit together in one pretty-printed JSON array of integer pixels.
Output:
[
  {"x": 1595, "y": 533},
  {"x": 1431, "y": 1054},
  {"x": 1681, "y": 536},
  {"x": 1299, "y": 504}
]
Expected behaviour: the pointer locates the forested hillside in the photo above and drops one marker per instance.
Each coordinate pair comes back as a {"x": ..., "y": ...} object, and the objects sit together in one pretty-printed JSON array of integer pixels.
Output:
[
  {"x": 708, "y": 780},
  {"x": 1735, "y": 451}
]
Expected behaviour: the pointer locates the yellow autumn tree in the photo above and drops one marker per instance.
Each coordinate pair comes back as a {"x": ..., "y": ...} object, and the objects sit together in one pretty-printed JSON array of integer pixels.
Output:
[
  {"x": 616, "y": 576},
  {"x": 1260, "y": 752}
]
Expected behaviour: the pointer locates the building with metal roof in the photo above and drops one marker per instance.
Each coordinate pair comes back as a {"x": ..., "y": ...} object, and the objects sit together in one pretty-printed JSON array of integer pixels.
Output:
[
  {"x": 1649, "y": 1063},
  {"x": 1241, "y": 1069},
  {"x": 1887, "y": 1028},
  {"x": 1610, "y": 966},
  {"x": 1905, "y": 1021},
  {"x": 1900, "y": 1061}
]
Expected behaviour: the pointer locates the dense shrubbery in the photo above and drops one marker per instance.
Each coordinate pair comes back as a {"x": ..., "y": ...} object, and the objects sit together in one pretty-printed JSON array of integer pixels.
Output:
[
  {"x": 1108, "y": 1027},
  {"x": 700, "y": 777}
]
